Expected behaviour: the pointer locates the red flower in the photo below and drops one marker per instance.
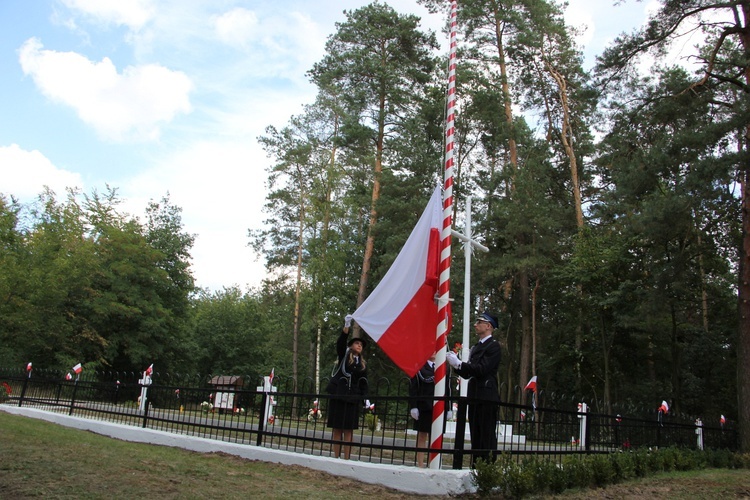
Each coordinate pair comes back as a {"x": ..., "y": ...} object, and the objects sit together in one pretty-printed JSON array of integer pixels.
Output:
[{"x": 7, "y": 388}]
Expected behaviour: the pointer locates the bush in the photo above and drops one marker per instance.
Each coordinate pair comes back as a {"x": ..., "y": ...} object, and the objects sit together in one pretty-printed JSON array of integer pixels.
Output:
[
  {"x": 719, "y": 459},
  {"x": 641, "y": 463},
  {"x": 578, "y": 472},
  {"x": 486, "y": 476},
  {"x": 602, "y": 471},
  {"x": 371, "y": 421},
  {"x": 623, "y": 466},
  {"x": 685, "y": 459},
  {"x": 516, "y": 481},
  {"x": 510, "y": 479},
  {"x": 558, "y": 480},
  {"x": 667, "y": 459}
]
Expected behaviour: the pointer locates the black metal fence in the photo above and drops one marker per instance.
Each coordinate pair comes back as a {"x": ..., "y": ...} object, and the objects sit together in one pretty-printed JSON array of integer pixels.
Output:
[{"x": 293, "y": 417}]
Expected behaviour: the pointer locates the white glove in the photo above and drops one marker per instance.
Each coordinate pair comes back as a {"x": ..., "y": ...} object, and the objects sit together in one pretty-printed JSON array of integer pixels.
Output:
[
  {"x": 414, "y": 413},
  {"x": 348, "y": 321},
  {"x": 453, "y": 359},
  {"x": 367, "y": 403}
]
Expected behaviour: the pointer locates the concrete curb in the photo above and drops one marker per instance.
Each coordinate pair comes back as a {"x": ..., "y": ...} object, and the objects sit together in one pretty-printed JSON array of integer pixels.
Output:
[{"x": 402, "y": 478}]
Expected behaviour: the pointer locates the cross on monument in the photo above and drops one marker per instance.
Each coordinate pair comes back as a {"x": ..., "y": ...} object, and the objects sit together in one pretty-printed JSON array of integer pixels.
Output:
[{"x": 469, "y": 246}]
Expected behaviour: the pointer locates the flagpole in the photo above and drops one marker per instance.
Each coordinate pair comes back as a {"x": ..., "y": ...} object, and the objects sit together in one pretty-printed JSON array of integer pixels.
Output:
[{"x": 438, "y": 408}]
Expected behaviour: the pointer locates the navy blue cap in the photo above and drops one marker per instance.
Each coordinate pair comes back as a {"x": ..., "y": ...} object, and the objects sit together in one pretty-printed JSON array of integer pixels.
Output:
[
  {"x": 485, "y": 316},
  {"x": 357, "y": 339}
]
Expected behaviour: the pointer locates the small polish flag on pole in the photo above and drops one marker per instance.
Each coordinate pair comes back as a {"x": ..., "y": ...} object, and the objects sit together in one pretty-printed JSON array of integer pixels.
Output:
[
  {"x": 270, "y": 377},
  {"x": 68, "y": 376},
  {"x": 723, "y": 420},
  {"x": 664, "y": 408},
  {"x": 150, "y": 370},
  {"x": 78, "y": 368},
  {"x": 531, "y": 386},
  {"x": 28, "y": 367}
]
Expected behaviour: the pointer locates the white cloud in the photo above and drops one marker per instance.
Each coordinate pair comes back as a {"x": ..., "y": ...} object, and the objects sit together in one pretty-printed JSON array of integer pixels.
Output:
[
  {"x": 25, "y": 173},
  {"x": 131, "y": 13},
  {"x": 283, "y": 44},
  {"x": 236, "y": 27},
  {"x": 131, "y": 105},
  {"x": 580, "y": 16},
  {"x": 220, "y": 186}
]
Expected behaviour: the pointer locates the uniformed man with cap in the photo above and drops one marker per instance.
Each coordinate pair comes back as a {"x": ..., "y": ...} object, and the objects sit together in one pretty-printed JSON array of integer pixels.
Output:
[{"x": 481, "y": 371}]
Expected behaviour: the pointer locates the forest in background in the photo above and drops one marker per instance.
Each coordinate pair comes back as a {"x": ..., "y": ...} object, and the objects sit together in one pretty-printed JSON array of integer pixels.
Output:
[{"x": 612, "y": 202}]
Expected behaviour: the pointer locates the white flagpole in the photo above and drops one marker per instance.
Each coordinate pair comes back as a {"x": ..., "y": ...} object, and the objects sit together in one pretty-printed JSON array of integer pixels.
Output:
[{"x": 469, "y": 246}]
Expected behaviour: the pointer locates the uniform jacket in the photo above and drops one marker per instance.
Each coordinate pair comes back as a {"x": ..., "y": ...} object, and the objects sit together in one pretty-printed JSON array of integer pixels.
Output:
[
  {"x": 481, "y": 370},
  {"x": 348, "y": 378},
  {"x": 422, "y": 389}
]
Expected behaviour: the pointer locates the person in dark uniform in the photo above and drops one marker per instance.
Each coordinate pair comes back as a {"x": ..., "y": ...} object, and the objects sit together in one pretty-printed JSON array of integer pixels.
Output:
[
  {"x": 481, "y": 371},
  {"x": 421, "y": 395},
  {"x": 347, "y": 387}
]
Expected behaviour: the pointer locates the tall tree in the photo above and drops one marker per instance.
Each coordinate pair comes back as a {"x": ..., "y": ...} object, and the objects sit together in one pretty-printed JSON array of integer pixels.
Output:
[
  {"x": 379, "y": 60},
  {"x": 725, "y": 63},
  {"x": 290, "y": 183}
]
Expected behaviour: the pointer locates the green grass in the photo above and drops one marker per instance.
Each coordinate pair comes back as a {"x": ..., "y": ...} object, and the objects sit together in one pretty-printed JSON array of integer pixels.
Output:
[
  {"x": 707, "y": 484},
  {"x": 43, "y": 460},
  {"x": 39, "y": 459}
]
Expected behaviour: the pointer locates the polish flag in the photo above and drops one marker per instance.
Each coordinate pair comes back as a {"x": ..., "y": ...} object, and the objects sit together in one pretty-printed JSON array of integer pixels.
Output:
[
  {"x": 28, "y": 367},
  {"x": 270, "y": 377},
  {"x": 723, "y": 420},
  {"x": 664, "y": 408},
  {"x": 68, "y": 376},
  {"x": 78, "y": 368},
  {"x": 150, "y": 370},
  {"x": 401, "y": 314},
  {"x": 531, "y": 386}
]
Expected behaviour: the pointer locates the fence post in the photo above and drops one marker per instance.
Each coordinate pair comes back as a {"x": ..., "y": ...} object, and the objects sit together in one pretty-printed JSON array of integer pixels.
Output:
[
  {"x": 583, "y": 426},
  {"x": 23, "y": 390},
  {"x": 73, "y": 398},
  {"x": 262, "y": 418},
  {"x": 699, "y": 433}
]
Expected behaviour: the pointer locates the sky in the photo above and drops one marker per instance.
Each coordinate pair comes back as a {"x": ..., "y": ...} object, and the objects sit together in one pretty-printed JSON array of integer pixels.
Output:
[{"x": 168, "y": 97}]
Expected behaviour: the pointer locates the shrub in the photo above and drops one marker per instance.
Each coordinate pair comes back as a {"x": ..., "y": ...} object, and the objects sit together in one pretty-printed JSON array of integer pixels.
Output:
[
  {"x": 371, "y": 421},
  {"x": 558, "y": 480},
  {"x": 578, "y": 472},
  {"x": 641, "y": 463},
  {"x": 516, "y": 481},
  {"x": 719, "y": 459},
  {"x": 510, "y": 479},
  {"x": 602, "y": 472},
  {"x": 486, "y": 476},
  {"x": 685, "y": 459},
  {"x": 623, "y": 466}
]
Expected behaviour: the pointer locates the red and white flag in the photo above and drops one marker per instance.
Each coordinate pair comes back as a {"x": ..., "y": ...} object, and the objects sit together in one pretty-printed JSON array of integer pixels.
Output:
[
  {"x": 150, "y": 370},
  {"x": 270, "y": 377},
  {"x": 531, "y": 386},
  {"x": 664, "y": 408},
  {"x": 723, "y": 420},
  {"x": 68, "y": 376},
  {"x": 401, "y": 314},
  {"x": 78, "y": 368},
  {"x": 28, "y": 367}
]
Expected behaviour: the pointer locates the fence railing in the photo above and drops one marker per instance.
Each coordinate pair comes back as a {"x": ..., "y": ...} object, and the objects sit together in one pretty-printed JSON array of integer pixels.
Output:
[{"x": 292, "y": 417}]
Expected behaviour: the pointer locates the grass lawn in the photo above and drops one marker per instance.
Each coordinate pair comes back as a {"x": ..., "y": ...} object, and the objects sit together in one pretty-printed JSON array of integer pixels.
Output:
[{"x": 39, "y": 459}]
